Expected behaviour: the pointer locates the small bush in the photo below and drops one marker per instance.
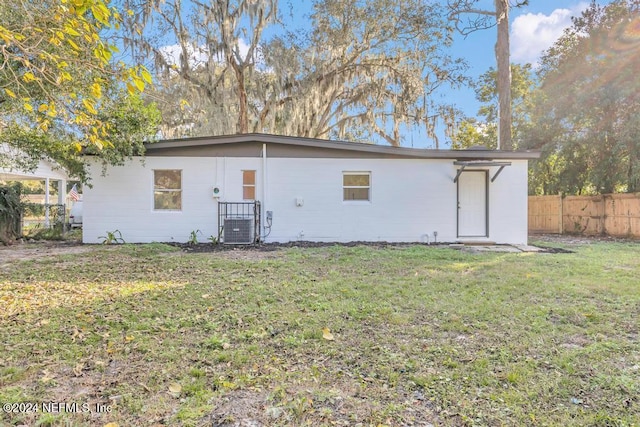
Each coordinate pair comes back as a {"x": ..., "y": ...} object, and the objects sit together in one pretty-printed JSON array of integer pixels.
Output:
[
  {"x": 10, "y": 212},
  {"x": 40, "y": 233}
]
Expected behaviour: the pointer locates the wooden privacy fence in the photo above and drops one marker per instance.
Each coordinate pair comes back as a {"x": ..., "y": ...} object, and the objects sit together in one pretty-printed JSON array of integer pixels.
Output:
[{"x": 608, "y": 214}]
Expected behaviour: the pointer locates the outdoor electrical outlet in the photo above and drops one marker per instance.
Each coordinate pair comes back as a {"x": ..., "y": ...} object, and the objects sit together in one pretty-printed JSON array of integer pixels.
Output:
[{"x": 269, "y": 215}]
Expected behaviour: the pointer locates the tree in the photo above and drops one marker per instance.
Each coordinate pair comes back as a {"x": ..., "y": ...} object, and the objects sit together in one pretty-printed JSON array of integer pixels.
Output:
[
  {"x": 130, "y": 121},
  {"x": 471, "y": 132},
  {"x": 374, "y": 66},
  {"x": 215, "y": 55},
  {"x": 586, "y": 117},
  {"x": 364, "y": 68},
  {"x": 54, "y": 71},
  {"x": 479, "y": 19}
]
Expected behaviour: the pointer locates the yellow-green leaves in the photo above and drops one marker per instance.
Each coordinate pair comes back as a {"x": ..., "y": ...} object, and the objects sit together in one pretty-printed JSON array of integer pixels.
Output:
[
  {"x": 96, "y": 90},
  {"x": 138, "y": 77},
  {"x": 327, "y": 335},
  {"x": 61, "y": 67},
  {"x": 89, "y": 105},
  {"x": 175, "y": 389},
  {"x": 101, "y": 13},
  {"x": 145, "y": 74},
  {"x": 28, "y": 77},
  {"x": 73, "y": 45},
  {"x": 102, "y": 52},
  {"x": 51, "y": 110},
  {"x": 71, "y": 31}
]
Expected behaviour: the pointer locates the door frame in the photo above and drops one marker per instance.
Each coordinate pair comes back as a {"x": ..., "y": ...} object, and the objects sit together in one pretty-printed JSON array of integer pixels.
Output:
[{"x": 486, "y": 201}]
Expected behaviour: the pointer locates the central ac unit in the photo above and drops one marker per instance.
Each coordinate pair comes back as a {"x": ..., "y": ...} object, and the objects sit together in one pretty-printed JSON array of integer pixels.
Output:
[{"x": 238, "y": 231}]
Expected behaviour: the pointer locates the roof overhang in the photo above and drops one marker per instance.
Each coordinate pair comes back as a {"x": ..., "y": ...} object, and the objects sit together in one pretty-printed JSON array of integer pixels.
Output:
[
  {"x": 382, "y": 150},
  {"x": 482, "y": 164},
  {"x": 42, "y": 170}
]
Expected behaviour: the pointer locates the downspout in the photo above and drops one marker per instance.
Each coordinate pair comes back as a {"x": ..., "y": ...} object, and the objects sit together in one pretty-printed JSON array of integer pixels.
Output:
[{"x": 264, "y": 188}]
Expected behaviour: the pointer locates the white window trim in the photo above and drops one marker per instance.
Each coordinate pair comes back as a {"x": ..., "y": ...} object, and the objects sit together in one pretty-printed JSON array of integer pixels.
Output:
[
  {"x": 369, "y": 187},
  {"x": 254, "y": 185},
  {"x": 153, "y": 191}
]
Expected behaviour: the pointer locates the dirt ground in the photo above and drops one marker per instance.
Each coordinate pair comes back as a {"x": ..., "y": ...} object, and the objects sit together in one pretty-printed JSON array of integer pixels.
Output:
[{"x": 36, "y": 250}]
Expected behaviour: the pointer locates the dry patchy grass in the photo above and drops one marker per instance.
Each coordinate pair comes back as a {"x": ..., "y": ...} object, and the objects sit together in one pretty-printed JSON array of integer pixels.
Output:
[{"x": 422, "y": 335}]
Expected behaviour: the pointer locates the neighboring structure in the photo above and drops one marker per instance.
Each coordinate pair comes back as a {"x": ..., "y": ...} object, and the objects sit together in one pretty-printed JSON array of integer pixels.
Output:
[
  {"x": 46, "y": 171},
  {"x": 309, "y": 189}
]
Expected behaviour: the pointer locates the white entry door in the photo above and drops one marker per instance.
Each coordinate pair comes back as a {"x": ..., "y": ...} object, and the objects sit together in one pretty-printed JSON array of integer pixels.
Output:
[{"x": 472, "y": 204}]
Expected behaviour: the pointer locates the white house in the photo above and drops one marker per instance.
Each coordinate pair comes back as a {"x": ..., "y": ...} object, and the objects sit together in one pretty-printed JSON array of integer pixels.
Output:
[
  {"x": 280, "y": 189},
  {"x": 45, "y": 170}
]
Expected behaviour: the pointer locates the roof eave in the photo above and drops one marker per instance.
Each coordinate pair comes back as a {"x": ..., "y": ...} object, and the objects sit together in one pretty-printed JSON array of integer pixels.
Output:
[{"x": 342, "y": 145}]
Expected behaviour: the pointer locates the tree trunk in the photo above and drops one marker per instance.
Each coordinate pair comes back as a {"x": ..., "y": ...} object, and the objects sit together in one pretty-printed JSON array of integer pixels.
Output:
[
  {"x": 242, "y": 126},
  {"x": 504, "y": 75}
]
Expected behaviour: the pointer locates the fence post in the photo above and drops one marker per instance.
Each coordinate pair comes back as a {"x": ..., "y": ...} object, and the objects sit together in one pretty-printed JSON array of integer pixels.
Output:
[
  {"x": 561, "y": 213},
  {"x": 603, "y": 217}
]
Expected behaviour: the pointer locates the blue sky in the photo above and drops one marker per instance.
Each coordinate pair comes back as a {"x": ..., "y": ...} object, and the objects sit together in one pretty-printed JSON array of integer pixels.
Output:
[{"x": 534, "y": 28}]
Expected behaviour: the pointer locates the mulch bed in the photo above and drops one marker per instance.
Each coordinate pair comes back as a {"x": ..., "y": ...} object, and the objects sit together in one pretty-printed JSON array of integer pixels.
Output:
[{"x": 266, "y": 247}]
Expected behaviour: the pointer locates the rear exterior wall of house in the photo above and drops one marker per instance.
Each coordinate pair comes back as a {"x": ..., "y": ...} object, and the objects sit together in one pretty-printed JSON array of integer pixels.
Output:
[{"x": 402, "y": 200}]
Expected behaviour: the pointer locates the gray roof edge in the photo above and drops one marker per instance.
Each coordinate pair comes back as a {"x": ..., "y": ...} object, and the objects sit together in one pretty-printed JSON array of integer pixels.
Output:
[{"x": 341, "y": 145}]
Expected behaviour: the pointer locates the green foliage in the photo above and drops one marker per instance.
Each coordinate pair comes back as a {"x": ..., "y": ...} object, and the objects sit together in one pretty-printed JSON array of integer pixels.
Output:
[
  {"x": 193, "y": 237},
  {"x": 40, "y": 233},
  {"x": 112, "y": 237},
  {"x": 585, "y": 118},
  {"x": 56, "y": 66},
  {"x": 470, "y": 132},
  {"x": 131, "y": 123},
  {"x": 10, "y": 212},
  {"x": 59, "y": 88}
]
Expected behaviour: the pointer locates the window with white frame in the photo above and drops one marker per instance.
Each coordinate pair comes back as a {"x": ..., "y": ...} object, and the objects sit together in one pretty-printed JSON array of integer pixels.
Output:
[
  {"x": 356, "y": 186},
  {"x": 167, "y": 190},
  {"x": 249, "y": 185}
]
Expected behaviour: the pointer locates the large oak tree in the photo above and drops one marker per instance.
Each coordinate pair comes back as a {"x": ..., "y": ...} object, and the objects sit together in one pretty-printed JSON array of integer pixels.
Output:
[{"x": 361, "y": 70}]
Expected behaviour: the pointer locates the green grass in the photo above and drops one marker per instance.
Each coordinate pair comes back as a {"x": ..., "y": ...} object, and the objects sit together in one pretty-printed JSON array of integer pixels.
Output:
[{"x": 421, "y": 335}]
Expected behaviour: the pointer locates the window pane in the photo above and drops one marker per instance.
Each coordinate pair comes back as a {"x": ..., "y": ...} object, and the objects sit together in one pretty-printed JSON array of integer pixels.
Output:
[
  {"x": 167, "y": 179},
  {"x": 248, "y": 177},
  {"x": 167, "y": 200},
  {"x": 356, "y": 194},
  {"x": 356, "y": 180},
  {"x": 249, "y": 193}
]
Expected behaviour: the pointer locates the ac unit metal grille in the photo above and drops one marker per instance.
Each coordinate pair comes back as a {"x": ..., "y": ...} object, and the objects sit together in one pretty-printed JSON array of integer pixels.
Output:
[
  {"x": 238, "y": 231},
  {"x": 239, "y": 222}
]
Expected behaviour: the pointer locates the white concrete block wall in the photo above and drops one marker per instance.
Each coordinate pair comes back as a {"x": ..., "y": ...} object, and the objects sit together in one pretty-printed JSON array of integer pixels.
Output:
[
  {"x": 123, "y": 200},
  {"x": 410, "y": 199},
  {"x": 508, "y": 215}
]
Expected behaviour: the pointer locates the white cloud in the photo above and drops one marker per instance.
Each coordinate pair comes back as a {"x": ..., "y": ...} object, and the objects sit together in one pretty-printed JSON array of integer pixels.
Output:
[
  {"x": 197, "y": 56},
  {"x": 533, "y": 33}
]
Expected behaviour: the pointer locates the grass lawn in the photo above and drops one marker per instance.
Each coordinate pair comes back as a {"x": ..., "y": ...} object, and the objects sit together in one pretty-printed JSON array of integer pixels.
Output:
[{"x": 149, "y": 335}]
